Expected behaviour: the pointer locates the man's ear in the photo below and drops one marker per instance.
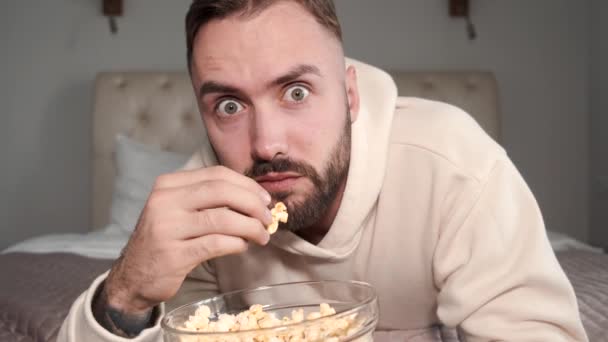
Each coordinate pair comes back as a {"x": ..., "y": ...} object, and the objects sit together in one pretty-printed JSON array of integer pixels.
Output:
[{"x": 352, "y": 92}]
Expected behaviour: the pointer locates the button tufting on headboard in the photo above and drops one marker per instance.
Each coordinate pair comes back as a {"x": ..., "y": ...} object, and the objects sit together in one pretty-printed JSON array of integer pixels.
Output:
[
  {"x": 428, "y": 85},
  {"x": 120, "y": 82},
  {"x": 165, "y": 84},
  {"x": 470, "y": 85},
  {"x": 474, "y": 91},
  {"x": 143, "y": 119},
  {"x": 187, "y": 118}
]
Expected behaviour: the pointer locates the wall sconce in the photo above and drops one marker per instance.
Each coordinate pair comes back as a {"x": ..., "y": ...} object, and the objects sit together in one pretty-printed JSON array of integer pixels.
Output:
[
  {"x": 112, "y": 9},
  {"x": 460, "y": 9}
]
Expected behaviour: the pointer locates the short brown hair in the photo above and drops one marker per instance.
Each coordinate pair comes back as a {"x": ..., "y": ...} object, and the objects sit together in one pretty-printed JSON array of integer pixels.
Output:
[{"x": 203, "y": 11}]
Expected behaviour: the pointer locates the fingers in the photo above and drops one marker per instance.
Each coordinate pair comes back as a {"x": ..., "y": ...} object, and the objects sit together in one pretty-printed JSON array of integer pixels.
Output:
[
  {"x": 213, "y": 194},
  {"x": 212, "y": 246},
  {"x": 222, "y": 221},
  {"x": 185, "y": 178}
]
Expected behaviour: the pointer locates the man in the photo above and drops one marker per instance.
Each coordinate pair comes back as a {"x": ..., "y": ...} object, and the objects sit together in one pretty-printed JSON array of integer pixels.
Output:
[{"x": 417, "y": 200}]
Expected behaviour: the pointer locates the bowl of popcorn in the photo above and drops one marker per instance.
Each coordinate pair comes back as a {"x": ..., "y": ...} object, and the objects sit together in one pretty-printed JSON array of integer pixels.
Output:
[{"x": 331, "y": 311}]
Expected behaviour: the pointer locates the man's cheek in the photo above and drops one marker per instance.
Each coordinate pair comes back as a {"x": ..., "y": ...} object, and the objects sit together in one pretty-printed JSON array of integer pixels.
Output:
[{"x": 231, "y": 156}]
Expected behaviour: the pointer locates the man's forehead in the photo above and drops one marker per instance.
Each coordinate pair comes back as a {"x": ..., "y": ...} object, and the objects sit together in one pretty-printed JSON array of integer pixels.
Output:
[
  {"x": 264, "y": 72},
  {"x": 271, "y": 43},
  {"x": 213, "y": 68}
]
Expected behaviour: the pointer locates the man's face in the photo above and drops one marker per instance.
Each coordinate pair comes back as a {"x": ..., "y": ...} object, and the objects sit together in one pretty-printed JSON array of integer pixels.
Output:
[{"x": 277, "y": 104}]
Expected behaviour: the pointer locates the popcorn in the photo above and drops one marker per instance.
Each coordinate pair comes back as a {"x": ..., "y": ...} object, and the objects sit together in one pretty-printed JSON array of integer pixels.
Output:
[
  {"x": 279, "y": 214},
  {"x": 326, "y": 310},
  {"x": 256, "y": 318},
  {"x": 297, "y": 316}
]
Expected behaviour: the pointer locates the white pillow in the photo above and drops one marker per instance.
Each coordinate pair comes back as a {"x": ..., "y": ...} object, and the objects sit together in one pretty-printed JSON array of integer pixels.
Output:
[{"x": 137, "y": 167}]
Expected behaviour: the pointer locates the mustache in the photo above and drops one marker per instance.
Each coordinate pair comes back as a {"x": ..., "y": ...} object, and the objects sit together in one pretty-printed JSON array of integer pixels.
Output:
[{"x": 263, "y": 167}]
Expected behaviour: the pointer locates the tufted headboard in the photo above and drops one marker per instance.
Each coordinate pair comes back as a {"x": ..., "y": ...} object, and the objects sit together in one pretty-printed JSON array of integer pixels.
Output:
[
  {"x": 159, "y": 108},
  {"x": 474, "y": 91}
]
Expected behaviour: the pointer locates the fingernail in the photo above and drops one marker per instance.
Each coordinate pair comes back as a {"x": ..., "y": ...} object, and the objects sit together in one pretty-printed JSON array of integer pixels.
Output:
[
  {"x": 267, "y": 239},
  {"x": 265, "y": 197},
  {"x": 268, "y": 215}
]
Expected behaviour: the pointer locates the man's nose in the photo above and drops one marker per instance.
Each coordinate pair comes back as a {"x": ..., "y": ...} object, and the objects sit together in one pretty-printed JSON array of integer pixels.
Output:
[{"x": 269, "y": 138}]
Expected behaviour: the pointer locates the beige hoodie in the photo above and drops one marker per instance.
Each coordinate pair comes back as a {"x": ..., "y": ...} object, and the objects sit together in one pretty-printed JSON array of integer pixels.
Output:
[{"x": 434, "y": 215}]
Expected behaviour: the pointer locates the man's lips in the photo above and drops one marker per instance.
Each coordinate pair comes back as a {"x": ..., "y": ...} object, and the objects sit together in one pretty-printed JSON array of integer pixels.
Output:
[
  {"x": 277, "y": 181},
  {"x": 276, "y": 176}
]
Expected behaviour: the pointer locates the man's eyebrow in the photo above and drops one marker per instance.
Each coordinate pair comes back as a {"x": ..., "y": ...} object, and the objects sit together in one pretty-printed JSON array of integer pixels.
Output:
[
  {"x": 210, "y": 87},
  {"x": 294, "y": 74}
]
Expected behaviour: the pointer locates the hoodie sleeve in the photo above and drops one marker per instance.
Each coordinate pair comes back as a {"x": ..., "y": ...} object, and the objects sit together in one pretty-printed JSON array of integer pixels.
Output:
[
  {"x": 497, "y": 275},
  {"x": 80, "y": 325}
]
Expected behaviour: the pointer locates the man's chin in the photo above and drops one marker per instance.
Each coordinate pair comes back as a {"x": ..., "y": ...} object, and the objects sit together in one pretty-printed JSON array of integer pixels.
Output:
[
  {"x": 286, "y": 198},
  {"x": 290, "y": 198},
  {"x": 296, "y": 194}
]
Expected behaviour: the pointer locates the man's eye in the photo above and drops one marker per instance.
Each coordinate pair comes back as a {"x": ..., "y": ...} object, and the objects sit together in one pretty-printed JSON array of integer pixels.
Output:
[
  {"x": 296, "y": 94},
  {"x": 229, "y": 107}
]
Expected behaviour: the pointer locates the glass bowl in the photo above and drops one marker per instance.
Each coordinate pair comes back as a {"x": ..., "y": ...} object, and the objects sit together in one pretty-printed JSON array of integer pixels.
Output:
[{"x": 353, "y": 301}]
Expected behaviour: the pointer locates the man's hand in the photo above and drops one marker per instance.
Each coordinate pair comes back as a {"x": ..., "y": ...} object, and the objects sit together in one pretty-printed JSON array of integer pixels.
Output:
[{"x": 189, "y": 218}]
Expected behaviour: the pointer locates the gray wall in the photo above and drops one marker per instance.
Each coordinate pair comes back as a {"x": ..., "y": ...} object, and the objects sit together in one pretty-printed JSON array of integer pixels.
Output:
[
  {"x": 52, "y": 50},
  {"x": 599, "y": 121}
]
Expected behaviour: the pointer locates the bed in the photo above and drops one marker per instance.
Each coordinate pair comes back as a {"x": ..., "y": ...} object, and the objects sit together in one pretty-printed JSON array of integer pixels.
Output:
[{"x": 147, "y": 123}]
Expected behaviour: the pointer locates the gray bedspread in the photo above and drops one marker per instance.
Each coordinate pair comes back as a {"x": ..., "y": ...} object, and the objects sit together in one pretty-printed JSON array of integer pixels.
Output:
[
  {"x": 588, "y": 273},
  {"x": 36, "y": 292}
]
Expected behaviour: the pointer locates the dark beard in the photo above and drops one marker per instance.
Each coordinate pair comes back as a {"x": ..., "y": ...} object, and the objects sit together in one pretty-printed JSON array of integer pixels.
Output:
[{"x": 303, "y": 214}]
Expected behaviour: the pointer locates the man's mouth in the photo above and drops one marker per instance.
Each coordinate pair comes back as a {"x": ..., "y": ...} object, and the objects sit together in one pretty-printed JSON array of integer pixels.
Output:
[{"x": 278, "y": 181}]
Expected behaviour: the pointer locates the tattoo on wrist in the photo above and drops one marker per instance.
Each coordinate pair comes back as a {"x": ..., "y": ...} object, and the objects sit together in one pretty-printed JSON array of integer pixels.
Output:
[{"x": 117, "y": 322}]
